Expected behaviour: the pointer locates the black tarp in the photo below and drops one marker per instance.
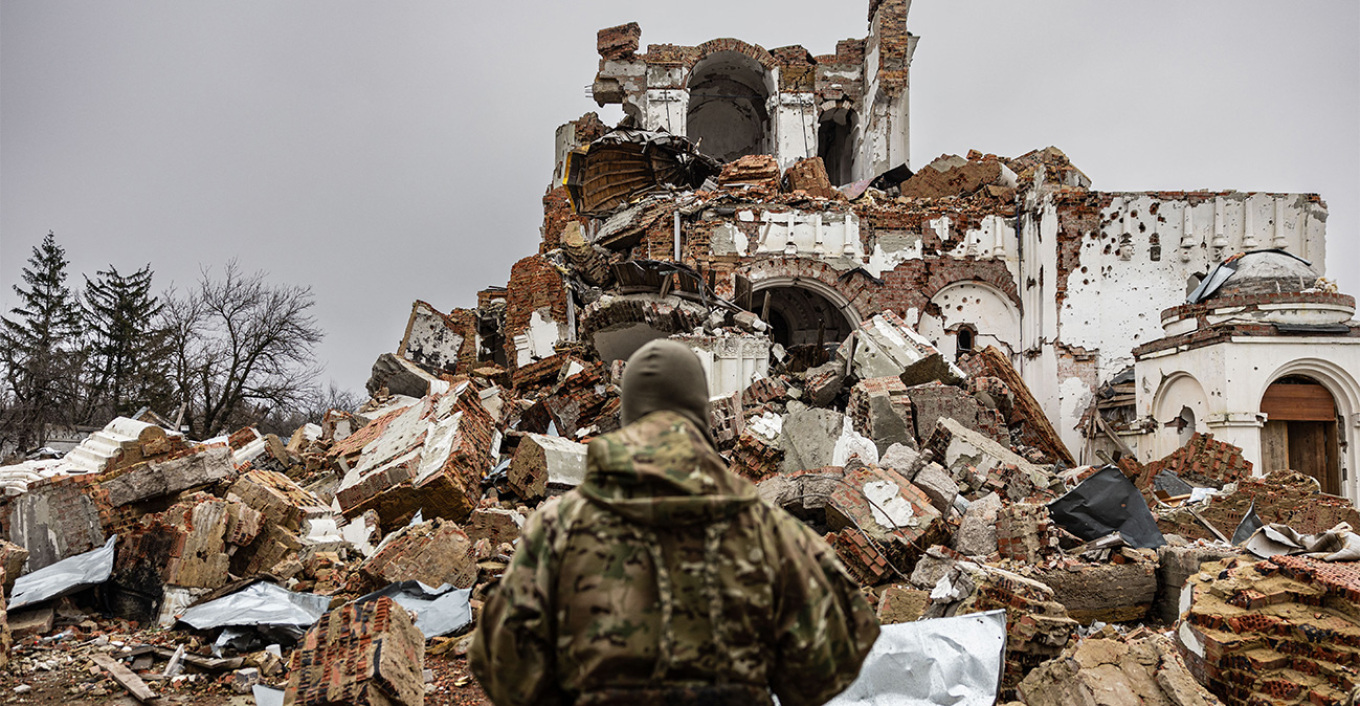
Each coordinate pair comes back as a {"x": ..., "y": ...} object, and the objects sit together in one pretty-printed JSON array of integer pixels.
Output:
[{"x": 1104, "y": 503}]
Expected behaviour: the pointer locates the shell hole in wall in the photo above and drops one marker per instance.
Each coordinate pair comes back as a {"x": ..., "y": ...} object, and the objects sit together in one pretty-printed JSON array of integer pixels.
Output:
[{"x": 836, "y": 143}]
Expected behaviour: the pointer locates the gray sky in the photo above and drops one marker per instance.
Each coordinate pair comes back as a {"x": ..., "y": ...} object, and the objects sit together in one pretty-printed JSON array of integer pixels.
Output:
[{"x": 383, "y": 152}]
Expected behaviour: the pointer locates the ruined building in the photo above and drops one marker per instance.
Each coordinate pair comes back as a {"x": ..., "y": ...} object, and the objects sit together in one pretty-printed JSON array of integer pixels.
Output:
[{"x": 775, "y": 185}]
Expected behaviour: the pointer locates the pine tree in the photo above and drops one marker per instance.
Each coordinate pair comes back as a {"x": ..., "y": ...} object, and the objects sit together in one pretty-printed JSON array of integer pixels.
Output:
[
  {"x": 37, "y": 346},
  {"x": 126, "y": 361}
]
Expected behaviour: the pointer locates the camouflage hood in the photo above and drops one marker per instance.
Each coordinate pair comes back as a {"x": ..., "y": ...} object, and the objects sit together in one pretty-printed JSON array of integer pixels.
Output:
[{"x": 661, "y": 471}]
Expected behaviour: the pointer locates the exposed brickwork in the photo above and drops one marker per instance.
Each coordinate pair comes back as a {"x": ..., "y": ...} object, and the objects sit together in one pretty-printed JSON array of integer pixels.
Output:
[
  {"x": 619, "y": 42},
  {"x": 1277, "y": 631},
  {"x": 755, "y": 459},
  {"x": 1283, "y": 497},
  {"x": 861, "y": 558},
  {"x": 365, "y": 654},
  {"x": 1026, "y": 415},
  {"x": 534, "y": 284},
  {"x": 434, "y": 552}
]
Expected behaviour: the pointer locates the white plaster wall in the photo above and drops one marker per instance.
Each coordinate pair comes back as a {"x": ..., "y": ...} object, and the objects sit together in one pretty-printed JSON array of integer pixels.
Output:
[
  {"x": 537, "y": 342},
  {"x": 1234, "y": 377},
  {"x": 813, "y": 234},
  {"x": 1114, "y": 299},
  {"x": 795, "y": 127},
  {"x": 731, "y": 363},
  {"x": 1116, "y": 294},
  {"x": 666, "y": 109},
  {"x": 987, "y": 310}
]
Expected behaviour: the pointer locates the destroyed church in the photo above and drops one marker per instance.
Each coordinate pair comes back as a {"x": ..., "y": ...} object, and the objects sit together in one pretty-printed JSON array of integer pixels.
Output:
[
  {"x": 761, "y": 204},
  {"x": 991, "y": 388}
]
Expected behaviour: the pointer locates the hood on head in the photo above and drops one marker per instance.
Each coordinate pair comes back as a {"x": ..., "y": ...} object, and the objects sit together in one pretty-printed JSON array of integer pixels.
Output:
[{"x": 661, "y": 471}]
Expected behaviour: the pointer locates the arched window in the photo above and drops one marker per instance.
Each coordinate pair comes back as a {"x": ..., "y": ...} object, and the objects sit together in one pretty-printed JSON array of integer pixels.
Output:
[
  {"x": 727, "y": 114},
  {"x": 966, "y": 338}
]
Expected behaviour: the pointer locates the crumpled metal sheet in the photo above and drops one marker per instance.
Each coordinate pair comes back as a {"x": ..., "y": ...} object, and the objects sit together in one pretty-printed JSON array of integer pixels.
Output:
[
  {"x": 260, "y": 605},
  {"x": 940, "y": 662},
  {"x": 64, "y": 577},
  {"x": 439, "y": 611},
  {"x": 1336, "y": 544},
  {"x": 1107, "y": 502}
]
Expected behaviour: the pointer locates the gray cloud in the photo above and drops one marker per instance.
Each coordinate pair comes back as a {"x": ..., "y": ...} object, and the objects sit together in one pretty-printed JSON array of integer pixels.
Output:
[{"x": 387, "y": 152}]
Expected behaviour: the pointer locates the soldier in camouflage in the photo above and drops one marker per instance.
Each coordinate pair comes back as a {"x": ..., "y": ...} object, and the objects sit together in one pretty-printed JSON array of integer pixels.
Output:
[{"x": 665, "y": 580}]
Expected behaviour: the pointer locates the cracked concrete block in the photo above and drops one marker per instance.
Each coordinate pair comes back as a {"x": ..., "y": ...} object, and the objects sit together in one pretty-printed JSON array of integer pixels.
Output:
[
  {"x": 934, "y": 401},
  {"x": 902, "y": 604},
  {"x": 890, "y": 510},
  {"x": 884, "y": 345},
  {"x": 976, "y": 460},
  {"x": 400, "y": 376},
  {"x": 366, "y": 654},
  {"x": 882, "y": 411},
  {"x": 541, "y": 461},
  {"x": 1111, "y": 593},
  {"x": 903, "y": 459},
  {"x": 153, "y": 479},
  {"x": 938, "y": 486},
  {"x": 976, "y": 535},
  {"x": 808, "y": 438},
  {"x": 802, "y": 494},
  {"x": 823, "y": 383}
]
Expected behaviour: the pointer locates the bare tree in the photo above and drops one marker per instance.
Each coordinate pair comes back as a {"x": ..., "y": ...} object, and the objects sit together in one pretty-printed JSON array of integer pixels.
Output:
[{"x": 240, "y": 345}]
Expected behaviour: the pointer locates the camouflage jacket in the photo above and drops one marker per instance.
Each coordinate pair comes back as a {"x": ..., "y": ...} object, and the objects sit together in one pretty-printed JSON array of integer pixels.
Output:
[{"x": 664, "y": 569}]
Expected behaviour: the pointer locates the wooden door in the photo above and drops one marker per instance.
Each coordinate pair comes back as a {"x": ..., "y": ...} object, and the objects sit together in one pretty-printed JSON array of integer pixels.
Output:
[
  {"x": 1300, "y": 432},
  {"x": 1274, "y": 446}
]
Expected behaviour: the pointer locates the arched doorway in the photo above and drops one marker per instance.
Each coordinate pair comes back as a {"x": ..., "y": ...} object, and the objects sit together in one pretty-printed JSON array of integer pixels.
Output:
[
  {"x": 727, "y": 115},
  {"x": 1301, "y": 431},
  {"x": 809, "y": 324}
]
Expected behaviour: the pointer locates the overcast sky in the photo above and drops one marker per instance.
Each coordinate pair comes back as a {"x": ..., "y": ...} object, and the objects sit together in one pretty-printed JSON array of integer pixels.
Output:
[{"x": 383, "y": 152}]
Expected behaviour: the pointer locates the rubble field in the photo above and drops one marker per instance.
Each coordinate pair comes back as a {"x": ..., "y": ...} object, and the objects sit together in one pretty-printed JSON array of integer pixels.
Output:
[{"x": 347, "y": 563}]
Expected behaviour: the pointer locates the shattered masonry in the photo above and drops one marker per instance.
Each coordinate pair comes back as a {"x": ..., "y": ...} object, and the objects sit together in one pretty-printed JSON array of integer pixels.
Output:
[{"x": 926, "y": 366}]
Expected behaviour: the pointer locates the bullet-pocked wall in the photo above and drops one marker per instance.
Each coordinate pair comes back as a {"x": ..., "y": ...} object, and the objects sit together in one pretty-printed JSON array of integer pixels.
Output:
[{"x": 971, "y": 251}]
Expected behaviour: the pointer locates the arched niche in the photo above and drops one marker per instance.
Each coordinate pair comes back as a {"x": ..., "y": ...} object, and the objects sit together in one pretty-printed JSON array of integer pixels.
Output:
[
  {"x": 988, "y": 316},
  {"x": 1179, "y": 409},
  {"x": 727, "y": 114}
]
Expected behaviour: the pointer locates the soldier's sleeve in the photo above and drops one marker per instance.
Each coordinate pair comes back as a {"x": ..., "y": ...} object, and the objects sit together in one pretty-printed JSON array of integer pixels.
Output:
[
  {"x": 826, "y": 627},
  {"x": 513, "y": 655}
]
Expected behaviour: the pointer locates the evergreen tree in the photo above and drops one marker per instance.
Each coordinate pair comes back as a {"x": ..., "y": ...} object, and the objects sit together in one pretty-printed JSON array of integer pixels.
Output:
[
  {"x": 126, "y": 364},
  {"x": 37, "y": 347}
]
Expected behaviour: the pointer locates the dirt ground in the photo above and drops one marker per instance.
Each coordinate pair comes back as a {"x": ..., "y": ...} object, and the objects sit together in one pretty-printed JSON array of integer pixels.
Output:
[{"x": 61, "y": 672}]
